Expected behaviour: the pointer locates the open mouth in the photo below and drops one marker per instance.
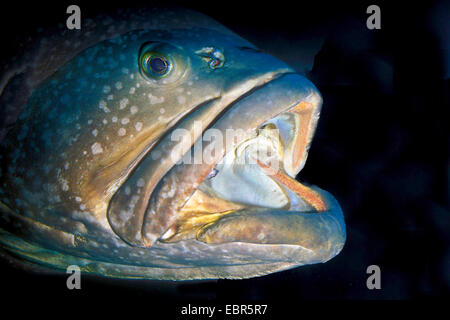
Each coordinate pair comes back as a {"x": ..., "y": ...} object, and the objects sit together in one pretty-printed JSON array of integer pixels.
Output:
[
  {"x": 261, "y": 170},
  {"x": 253, "y": 185},
  {"x": 247, "y": 193}
]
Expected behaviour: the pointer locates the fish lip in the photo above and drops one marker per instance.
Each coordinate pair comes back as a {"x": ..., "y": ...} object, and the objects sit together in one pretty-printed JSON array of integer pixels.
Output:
[{"x": 290, "y": 255}]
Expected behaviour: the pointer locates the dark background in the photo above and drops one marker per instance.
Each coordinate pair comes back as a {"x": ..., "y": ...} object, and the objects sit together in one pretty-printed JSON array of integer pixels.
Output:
[{"x": 382, "y": 148}]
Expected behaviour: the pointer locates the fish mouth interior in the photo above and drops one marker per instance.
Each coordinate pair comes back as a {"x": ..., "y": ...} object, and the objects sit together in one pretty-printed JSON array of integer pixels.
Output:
[{"x": 258, "y": 173}]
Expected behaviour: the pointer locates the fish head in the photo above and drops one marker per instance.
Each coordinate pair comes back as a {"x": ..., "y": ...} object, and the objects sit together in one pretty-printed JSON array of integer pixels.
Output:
[{"x": 181, "y": 147}]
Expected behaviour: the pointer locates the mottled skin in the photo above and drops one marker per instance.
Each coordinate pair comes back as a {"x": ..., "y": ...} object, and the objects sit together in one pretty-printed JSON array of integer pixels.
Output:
[{"x": 86, "y": 176}]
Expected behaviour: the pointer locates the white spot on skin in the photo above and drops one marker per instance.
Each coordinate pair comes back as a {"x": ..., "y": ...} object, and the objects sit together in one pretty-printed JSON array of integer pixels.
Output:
[
  {"x": 123, "y": 103},
  {"x": 106, "y": 89},
  {"x": 119, "y": 85},
  {"x": 156, "y": 155},
  {"x": 121, "y": 132},
  {"x": 64, "y": 185},
  {"x": 140, "y": 183},
  {"x": 181, "y": 99},
  {"x": 77, "y": 199},
  {"x": 94, "y": 132},
  {"x": 132, "y": 90},
  {"x": 134, "y": 109},
  {"x": 125, "y": 215},
  {"x": 114, "y": 119},
  {"x": 96, "y": 148},
  {"x": 138, "y": 126},
  {"x": 127, "y": 191},
  {"x": 260, "y": 236},
  {"x": 90, "y": 121},
  {"x": 105, "y": 121},
  {"x": 162, "y": 110},
  {"x": 125, "y": 121},
  {"x": 111, "y": 97},
  {"x": 82, "y": 206},
  {"x": 154, "y": 99},
  {"x": 102, "y": 105}
]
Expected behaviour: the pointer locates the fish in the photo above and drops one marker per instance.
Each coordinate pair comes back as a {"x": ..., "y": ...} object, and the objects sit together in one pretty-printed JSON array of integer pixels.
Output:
[{"x": 158, "y": 144}]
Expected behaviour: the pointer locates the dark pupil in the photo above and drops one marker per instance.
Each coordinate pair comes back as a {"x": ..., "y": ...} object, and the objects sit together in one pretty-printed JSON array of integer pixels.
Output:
[{"x": 158, "y": 65}]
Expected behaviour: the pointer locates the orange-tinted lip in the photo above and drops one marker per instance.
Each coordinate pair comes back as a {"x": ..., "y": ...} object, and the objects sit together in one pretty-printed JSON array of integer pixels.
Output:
[
  {"x": 307, "y": 194},
  {"x": 305, "y": 111}
]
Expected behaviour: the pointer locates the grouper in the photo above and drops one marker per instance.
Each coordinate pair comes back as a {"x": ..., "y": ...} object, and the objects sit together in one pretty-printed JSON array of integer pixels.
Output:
[{"x": 158, "y": 144}]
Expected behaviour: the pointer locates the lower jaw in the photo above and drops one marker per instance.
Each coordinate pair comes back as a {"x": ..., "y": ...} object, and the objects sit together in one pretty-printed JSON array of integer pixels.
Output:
[
  {"x": 320, "y": 234},
  {"x": 210, "y": 219}
]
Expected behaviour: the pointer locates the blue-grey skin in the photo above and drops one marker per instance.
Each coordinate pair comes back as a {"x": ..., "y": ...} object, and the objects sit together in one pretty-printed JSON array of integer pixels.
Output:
[{"x": 86, "y": 174}]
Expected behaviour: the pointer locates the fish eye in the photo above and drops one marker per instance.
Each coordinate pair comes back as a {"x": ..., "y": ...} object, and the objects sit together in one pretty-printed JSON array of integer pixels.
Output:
[
  {"x": 155, "y": 65},
  {"x": 159, "y": 65},
  {"x": 162, "y": 63}
]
